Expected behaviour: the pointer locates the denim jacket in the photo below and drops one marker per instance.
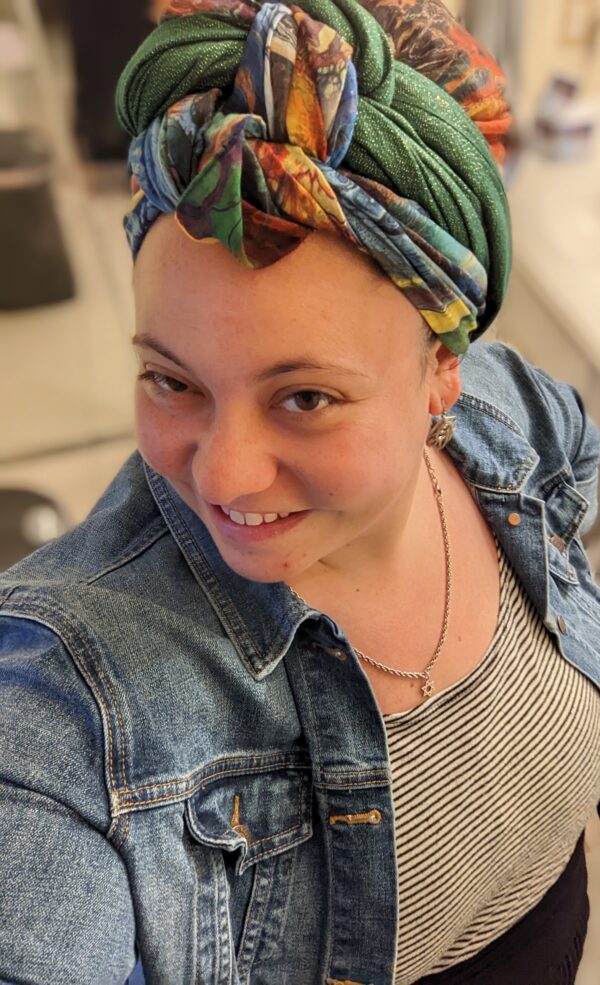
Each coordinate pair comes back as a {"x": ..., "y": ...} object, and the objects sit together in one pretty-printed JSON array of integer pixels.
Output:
[{"x": 181, "y": 748}]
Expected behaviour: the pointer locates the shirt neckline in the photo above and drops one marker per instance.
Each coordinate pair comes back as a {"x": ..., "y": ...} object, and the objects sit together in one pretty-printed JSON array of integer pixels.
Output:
[{"x": 507, "y": 577}]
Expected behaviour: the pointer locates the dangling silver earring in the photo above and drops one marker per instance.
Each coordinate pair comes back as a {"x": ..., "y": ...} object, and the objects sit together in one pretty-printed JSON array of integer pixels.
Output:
[{"x": 442, "y": 430}]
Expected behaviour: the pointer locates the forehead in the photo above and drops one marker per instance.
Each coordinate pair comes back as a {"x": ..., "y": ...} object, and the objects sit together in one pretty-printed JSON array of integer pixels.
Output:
[{"x": 325, "y": 294}]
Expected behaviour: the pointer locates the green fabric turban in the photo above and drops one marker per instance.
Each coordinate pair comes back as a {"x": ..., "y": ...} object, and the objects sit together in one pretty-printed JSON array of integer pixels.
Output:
[{"x": 383, "y": 120}]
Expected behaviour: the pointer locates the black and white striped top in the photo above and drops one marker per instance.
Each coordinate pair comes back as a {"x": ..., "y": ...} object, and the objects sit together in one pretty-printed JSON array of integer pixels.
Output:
[{"x": 493, "y": 781}]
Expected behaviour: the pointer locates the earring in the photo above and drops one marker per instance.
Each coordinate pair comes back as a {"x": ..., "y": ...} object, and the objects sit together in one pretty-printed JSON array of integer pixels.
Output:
[{"x": 441, "y": 430}]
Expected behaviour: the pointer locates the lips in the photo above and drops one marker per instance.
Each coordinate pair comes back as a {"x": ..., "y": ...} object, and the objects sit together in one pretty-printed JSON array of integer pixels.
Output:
[
  {"x": 249, "y": 532},
  {"x": 252, "y": 519}
]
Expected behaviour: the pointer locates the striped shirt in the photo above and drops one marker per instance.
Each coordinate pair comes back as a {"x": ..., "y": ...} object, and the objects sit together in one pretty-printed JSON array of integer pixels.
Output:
[{"x": 493, "y": 781}]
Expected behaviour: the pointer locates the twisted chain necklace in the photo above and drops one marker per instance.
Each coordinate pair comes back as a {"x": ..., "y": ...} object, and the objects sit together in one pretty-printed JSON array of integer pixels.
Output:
[{"x": 424, "y": 675}]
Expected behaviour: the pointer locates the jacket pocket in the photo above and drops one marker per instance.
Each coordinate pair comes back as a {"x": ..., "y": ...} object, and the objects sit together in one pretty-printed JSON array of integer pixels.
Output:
[
  {"x": 261, "y": 814},
  {"x": 264, "y": 816}
]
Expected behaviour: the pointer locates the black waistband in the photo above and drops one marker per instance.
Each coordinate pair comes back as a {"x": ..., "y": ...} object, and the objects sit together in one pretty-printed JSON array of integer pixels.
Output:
[{"x": 543, "y": 948}]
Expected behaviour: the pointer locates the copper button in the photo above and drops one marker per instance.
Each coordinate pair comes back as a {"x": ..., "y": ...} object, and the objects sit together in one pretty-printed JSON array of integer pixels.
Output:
[
  {"x": 333, "y": 651},
  {"x": 369, "y": 817},
  {"x": 560, "y": 622},
  {"x": 514, "y": 519},
  {"x": 340, "y": 981}
]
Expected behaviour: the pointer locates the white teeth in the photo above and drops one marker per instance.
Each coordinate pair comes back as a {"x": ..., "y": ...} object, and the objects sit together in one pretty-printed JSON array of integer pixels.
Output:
[{"x": 253, "y": 519}]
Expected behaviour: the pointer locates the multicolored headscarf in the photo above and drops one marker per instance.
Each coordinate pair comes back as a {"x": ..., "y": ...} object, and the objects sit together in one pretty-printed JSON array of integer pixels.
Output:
[{"x": 256, "y": 123}]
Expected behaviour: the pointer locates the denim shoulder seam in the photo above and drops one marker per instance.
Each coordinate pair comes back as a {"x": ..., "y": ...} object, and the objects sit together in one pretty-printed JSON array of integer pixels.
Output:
[
  {"x": 5, "y": 593},
  {"x": 492, "y": 411},
  {"x": 63, "y": 808},
  {"x": 140, "y": 543},
  {"x": 149, "y": 536}
]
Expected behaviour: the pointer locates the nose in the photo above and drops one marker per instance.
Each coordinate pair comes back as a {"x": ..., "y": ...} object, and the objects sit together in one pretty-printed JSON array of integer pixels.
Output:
[{"x": 234, "y": 459}]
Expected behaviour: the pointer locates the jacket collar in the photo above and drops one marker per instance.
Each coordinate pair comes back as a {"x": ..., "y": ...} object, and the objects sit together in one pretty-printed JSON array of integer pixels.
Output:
[
  {"x": 261, "y": 620},
  {"x": 489, "y": 448}
]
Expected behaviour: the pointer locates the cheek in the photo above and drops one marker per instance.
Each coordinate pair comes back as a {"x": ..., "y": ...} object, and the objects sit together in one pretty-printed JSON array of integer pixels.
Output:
[
  {"x": 359, "y": 462},
  {"x": 375, "y": 462},
  {"x": 160, "y": 437}
]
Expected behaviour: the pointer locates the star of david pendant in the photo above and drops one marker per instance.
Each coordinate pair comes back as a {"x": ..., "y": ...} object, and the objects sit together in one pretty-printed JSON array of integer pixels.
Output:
[{"x": 428, "y": 688}]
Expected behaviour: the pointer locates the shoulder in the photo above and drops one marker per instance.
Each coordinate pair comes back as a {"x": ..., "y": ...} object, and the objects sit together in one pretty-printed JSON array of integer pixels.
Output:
[
  {"x": 51, "y": 734},
  {"x": 497, "y": 373},
  {"x": 56, "y": 829},
  {"x": 123, "y": 524},
  {"x": 106, "y": 635},
  {"x": 54, "y": 714},
  {"x": 59, "y": 607},
  {"x": 548, "y": 413}
]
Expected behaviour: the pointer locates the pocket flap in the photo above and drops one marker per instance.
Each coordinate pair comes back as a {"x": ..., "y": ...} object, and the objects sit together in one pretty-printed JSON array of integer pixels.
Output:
[
  {"x": 558, "y": 560},
  {"x": 259, "y": 813},
  {"x": 564, "y": 508}
]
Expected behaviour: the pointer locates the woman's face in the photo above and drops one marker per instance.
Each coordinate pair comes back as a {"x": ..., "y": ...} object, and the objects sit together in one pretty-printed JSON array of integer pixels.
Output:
[{"x": 299, "y": 388}]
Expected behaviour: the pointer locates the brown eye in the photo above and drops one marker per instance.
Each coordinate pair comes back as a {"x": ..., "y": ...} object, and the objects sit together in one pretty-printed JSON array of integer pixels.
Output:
[
  {"x": 309, "y": 400},
  {"x": 162, "y": 382}
]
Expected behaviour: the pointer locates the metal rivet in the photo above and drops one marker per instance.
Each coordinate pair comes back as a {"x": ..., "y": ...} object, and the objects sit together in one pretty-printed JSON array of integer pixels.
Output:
[
  {"x": 559, "y": 543},
  {"x": 340, "y": 981},
  {"x": 560, "y": 622},
  {"x": 367, "y": 817},
  {"x": 514, "y": 519},
  {"x": 336, "y": 652}
]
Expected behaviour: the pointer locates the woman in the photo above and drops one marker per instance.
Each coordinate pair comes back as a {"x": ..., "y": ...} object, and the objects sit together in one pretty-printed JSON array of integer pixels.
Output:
[{"x": 312, "y": 695}]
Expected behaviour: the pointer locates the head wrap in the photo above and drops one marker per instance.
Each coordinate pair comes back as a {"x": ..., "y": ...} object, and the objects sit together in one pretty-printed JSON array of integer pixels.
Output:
[{"x": 256, "y": 123}]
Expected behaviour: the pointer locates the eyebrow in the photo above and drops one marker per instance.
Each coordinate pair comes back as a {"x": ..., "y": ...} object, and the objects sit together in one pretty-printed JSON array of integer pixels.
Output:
[{"x": 288, "y": 366}]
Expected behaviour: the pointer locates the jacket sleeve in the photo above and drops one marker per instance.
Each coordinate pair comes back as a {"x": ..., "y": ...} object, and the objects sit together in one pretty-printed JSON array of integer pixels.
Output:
[
  {"x": 579, "y": 437},
  {"x": 66, "y": 913}
]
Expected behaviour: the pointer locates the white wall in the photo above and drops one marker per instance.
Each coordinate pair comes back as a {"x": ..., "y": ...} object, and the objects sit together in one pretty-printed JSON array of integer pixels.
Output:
[
  {"x": 557, "y": 35},
  {"x": 553, "y": 41}
]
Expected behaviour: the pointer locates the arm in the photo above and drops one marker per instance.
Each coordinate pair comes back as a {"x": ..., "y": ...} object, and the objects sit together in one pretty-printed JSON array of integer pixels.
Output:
[
  {"x": 66, "y": 912},
  {"x": 583, "y": 441}
]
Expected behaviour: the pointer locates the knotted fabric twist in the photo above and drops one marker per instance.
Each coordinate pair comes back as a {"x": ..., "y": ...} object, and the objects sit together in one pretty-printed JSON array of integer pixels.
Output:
[{"x": 256, "y": 123}]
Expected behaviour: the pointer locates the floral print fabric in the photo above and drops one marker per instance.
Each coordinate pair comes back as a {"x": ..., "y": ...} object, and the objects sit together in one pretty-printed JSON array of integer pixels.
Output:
[{"x": 261, "y": 163}]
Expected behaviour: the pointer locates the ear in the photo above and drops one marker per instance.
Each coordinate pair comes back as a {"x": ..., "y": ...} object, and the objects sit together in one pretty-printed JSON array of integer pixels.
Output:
[{"x": 444, "y": 384}]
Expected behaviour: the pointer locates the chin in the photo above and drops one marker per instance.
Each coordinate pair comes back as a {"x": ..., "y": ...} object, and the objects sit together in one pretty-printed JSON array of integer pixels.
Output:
[{"x": 267, "y": 573}]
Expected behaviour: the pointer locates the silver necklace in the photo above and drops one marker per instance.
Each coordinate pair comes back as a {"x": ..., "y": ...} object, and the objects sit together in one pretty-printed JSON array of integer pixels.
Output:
[{"x": 424, "y": 675}]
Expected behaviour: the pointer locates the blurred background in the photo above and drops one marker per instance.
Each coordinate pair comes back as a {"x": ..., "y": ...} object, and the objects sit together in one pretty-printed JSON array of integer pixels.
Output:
[{"x": 65, "y": 270}]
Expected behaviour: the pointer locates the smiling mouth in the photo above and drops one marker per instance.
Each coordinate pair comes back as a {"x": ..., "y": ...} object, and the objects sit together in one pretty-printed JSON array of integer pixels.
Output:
[{"x": 252, "y": 519}]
